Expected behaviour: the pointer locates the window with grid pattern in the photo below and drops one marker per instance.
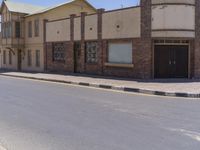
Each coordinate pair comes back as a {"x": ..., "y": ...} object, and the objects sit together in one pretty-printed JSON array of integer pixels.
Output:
[
  {"x": 91, "y": 52},
  {"x": 58, "y": 52}
]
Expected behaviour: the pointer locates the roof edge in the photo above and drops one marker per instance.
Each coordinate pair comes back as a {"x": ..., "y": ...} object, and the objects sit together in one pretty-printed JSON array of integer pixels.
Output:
[
  {"x": 2, "y": 4},
  {"x": 6, "y": 5},
  {"x": 54, "y": 7}
]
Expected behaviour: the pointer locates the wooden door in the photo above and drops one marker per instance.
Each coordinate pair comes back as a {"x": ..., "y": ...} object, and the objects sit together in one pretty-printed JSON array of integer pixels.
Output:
[
  {"x": 171, "y": 61},
  {"x": 181, "y": 62},
  {"x": 162, "y": 63}
]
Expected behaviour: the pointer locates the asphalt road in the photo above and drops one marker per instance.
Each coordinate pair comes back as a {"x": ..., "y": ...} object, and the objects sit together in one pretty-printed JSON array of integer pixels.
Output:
[{"x": 47, "y": 116}]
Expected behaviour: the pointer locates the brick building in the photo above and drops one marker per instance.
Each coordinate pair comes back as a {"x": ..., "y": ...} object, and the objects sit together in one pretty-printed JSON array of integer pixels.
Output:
[{"x": 157, "y": 39}]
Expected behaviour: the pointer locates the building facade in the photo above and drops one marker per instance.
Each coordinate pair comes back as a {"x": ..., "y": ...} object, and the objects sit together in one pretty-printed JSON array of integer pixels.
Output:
[
  {"x": 22, "y": 40},
  {"x": 157, "y": 39}
]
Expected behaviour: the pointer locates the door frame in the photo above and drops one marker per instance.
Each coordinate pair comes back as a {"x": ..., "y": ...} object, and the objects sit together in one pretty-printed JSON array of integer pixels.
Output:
[
  {"x": 76, "y": 53},
  {"x": 174, "y": 44}
]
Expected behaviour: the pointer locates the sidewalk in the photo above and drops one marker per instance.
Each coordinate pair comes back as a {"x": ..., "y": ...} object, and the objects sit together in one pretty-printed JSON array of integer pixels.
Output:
[{"x": 168, "y": 87}]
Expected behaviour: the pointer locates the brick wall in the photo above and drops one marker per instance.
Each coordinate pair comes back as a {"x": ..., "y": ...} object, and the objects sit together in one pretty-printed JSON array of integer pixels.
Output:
[
  {"x": 142, "y": 50},
  {"x": 60, "y": 66},
  {"x": 145, "y": 52},
  {"x": 97, "y": 68},
  {"x": 141, "y": 58},
  {"x": 197, "y": 41},
  {"x": 192, "y": 58}
]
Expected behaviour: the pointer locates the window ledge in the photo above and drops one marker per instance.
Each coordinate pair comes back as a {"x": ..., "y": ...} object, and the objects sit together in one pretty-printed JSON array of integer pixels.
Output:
[
  {"x": 119, "y": 65},
  {"x": 90, "y": 63}
]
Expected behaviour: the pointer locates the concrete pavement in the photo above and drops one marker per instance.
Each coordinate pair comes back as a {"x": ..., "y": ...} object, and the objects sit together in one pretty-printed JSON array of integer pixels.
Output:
[
  {"x": 48, "y": 116},
  {"x": 171, "y": 87}
]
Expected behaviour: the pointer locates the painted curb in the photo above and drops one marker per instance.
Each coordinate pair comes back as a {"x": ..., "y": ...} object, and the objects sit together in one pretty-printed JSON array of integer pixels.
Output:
[{"x": 117, "y": 88}]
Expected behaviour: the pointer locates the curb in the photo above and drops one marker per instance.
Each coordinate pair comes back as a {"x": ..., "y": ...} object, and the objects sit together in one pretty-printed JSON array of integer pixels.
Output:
[{"x": 117, "y": 88}]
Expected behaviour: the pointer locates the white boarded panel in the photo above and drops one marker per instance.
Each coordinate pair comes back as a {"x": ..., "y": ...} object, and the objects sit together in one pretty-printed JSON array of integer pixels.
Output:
[
  {"x": 120, "y": 53},
  {"x": 58, "y": 31}
]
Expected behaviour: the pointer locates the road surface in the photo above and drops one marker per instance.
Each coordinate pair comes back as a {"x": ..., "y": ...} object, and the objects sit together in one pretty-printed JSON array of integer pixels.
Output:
[{"x": 48, "y": 116}]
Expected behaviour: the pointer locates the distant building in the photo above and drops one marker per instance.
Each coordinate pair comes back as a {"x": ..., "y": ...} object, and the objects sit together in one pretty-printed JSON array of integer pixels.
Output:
[{"x": 157, "y": 39}]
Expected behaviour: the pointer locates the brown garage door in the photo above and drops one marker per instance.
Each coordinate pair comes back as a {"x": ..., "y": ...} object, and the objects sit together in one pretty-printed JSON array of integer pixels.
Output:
[{"x": 171, "y": 61}]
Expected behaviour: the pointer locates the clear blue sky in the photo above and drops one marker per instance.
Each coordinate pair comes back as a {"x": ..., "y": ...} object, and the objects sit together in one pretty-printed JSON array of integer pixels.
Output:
[{"x": 107, "y": 4}]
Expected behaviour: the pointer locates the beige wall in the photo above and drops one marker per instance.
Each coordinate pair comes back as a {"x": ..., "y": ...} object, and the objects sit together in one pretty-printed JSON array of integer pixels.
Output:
[
  {"x": 66, "y": 10},
  {"x": 129, "y": 26},
  {"x": 173, "y": 17},
  {"x": 58, "y": 13},
  {"x": 77, "y": 29},
  {"x": 91, "y": 27},
  {"x": 33, "y": 66},
  {"x": 33, "y": 39},
  {"x": 14, "y": 64},
  {"x": 173, "y": 1},
  {"x": 58, "y": 31},
  {"x": 33, "y": 43},
  {"x": 186, "y": 34}
]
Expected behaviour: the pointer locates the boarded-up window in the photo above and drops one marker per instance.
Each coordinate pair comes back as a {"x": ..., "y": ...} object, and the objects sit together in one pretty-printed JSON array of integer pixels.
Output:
[
  {"x": 91, "y": 52},
  {"x": 37, "y": 58},
  {"x": 4, "y": 57},
  {"x": 17, "y": 29},
  {"x": 58, "y": 52},
  {"x": 29, "y": 58},
  {"x": 30, "y": 29},
  {"x": 10, "y": 58},
  {"x": 36, "y": 24},
  {"x": 120, "y": 53}
]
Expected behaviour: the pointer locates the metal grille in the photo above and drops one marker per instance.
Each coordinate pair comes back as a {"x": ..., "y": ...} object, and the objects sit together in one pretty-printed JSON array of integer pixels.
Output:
[
  {"x": 58, "y": 52},
  {"x": 91, "y": 52},
  {"x": 171, "y": 41}
]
